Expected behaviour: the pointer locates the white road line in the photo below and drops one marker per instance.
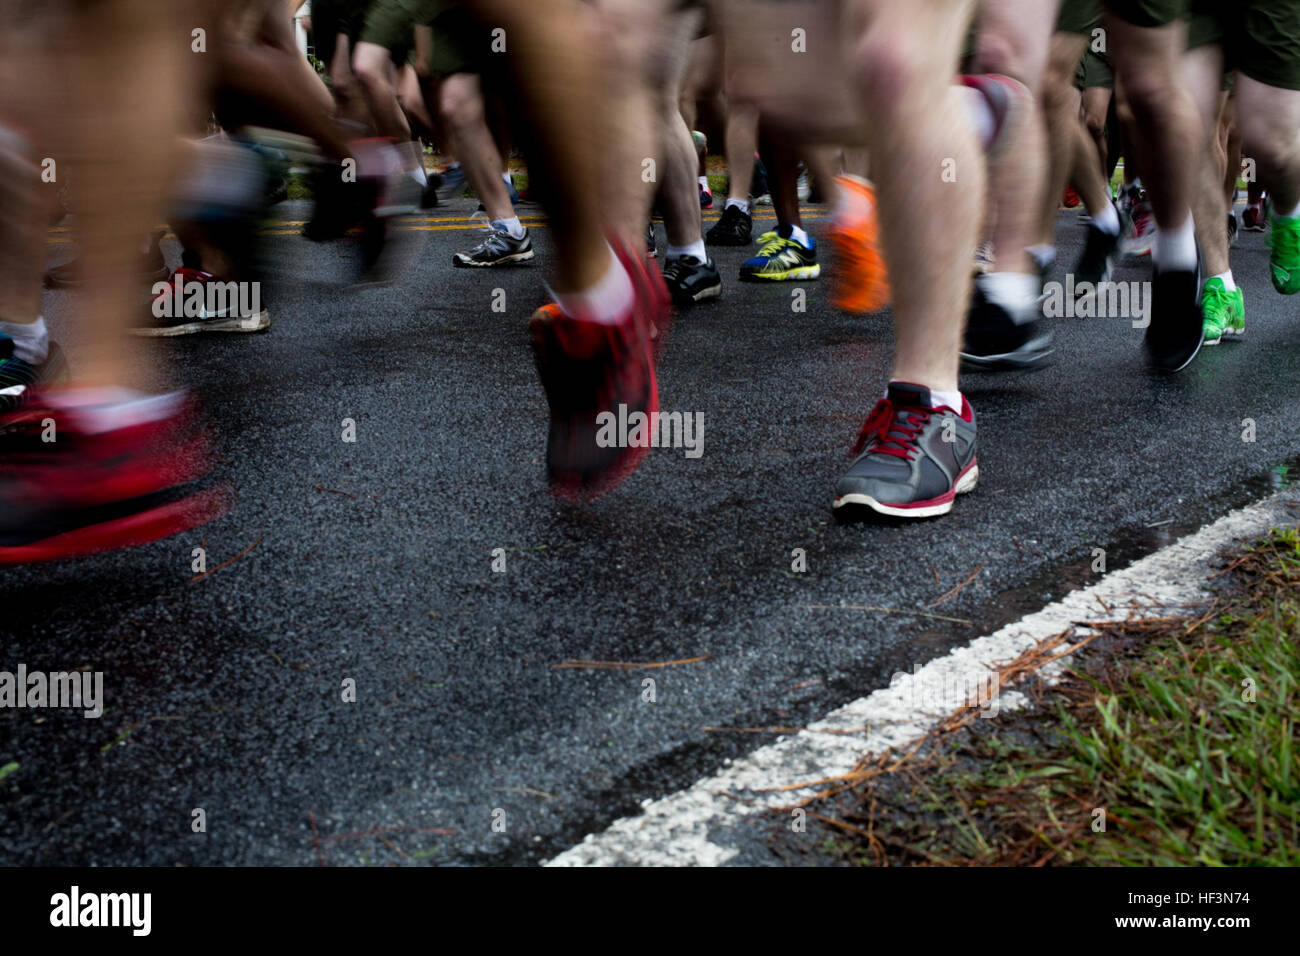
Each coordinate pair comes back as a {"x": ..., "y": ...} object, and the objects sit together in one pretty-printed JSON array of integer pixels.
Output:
[{"x": 691, "y": 827}]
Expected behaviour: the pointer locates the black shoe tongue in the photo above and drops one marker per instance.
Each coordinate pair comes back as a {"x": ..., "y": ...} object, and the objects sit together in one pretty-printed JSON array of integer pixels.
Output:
[
  {"x": 6, "y": 347},
  {"x": 907, "y": 395},
  {"x": 785, "y": 230}
]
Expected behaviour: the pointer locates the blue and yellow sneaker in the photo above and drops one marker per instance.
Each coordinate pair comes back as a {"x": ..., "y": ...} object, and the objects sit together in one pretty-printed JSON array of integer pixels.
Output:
[{"x": 781, "y": 258}]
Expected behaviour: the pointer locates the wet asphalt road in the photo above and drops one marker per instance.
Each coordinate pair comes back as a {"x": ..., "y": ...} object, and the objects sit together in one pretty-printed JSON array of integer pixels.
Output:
[{"x": 373, "y": 561}]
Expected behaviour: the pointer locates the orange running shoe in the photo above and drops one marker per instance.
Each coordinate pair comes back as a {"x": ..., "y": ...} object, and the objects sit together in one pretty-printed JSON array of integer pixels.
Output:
[
  {"x": 860, "y": 280},
  {"x": 1071, "y": 199}
]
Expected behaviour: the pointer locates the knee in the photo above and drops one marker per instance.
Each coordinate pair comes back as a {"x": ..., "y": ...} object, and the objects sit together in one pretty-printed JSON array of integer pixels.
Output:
[
  {"x": 889, "y": 72},
  {"x": 1266, "y": 141},
  {"x": 458, "y": 107}
]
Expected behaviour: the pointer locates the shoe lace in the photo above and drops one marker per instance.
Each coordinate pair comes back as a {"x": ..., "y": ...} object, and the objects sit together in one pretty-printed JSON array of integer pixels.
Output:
[
  {"x": 891, "y": 430},
  {"x": 769, "y": 244},
  {"x": 674, "y": 269}
]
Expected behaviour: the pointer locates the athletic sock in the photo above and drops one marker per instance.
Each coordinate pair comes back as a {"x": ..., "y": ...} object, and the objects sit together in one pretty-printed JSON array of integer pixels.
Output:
[
  {"x": 1175, "y": 249},
  {"x": 982, "y": 120},
  {"x": 704, "y": 184},
  {"x": 413, "y": 160},
  {"x": 1226, "y": 278},
  {"x": 31, "y": 340},
  {"x": 695, "y": 249},
  {"x": 512, "y": 226},
  {"x": 952, "y": 399},
  {"x": 607, "y": 302},
  {"x": 801, "y": 237},
  {"x": 1017, "y": 292},
  {"x": 1044, "y": 254},
  {"x": 1107, "y": 220},
  {"x": 741, "y": 204}
]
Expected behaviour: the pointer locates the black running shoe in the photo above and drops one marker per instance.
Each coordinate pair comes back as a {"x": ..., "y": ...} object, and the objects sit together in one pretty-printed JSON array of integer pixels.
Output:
[
  {"x": 1233, "y": 228},
  {"x": 690, "y": 280},
  {"x": 1177, "y": 329},
  {"x": 651, "y": 249},
  {"x": 497, "y": 249},
  {"x": 912, "y": 459},
  {"x": 1098, "y": 259},
  {"x": 995, "y": 339},
  {"x": 734, "y": 227},
  {"x": 17, "y": 378}
]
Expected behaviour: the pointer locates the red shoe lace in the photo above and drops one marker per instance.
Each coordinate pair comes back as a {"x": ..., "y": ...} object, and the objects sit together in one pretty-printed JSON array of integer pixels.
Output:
[{"x": 893, "y": 434}]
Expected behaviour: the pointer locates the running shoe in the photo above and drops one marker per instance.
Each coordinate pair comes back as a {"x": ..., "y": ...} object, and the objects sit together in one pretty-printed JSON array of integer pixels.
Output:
[
  {"x": 690, "y": 280},
  {"x": 1254, "y": 216},
  {"x": 781, "y": 258},
  {"x": 1071, "y": 199},
  {"x": 734, "y": 227},
  {"x": 588, "y": 368},
  {"x": 1224, "y": 311},
  {"x": 997, "y": 340},
  {"x": 1142, "y": 235},
  {"x": 1233, "y": 228},
  {"x": 759, "y": 190},
  {"x": 1284, "y": 253},
  {"x": 97, "y": 488},
  {"x": 498, "y": 248},
  {"x": 706, "y": 194},
  {"x": 859, "y": 280},
  {"x": 192, "y": 301},
  {"x": 912, "y": 459},
  {"x": 1097, "y": 262},
  {"x": 18, "y": 379},
  {"x": 1176, "y": 328},
  {"x": 152, "y": 268},
  {"x": 651, "y": 244},
  {"x": 452, "y": 183}
]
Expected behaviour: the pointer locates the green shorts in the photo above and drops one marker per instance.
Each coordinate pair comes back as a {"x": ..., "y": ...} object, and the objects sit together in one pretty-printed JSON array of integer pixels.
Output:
[
  {"x": 1261, "y": 38},
  {"x": 460, "y": 43},
  {"x": 391, "y": 24},
  {"x": 1148, "y": 13},
  {"x": 1094, "y": 70},
  {"x": 1079, "y": 16},
  {"x": 329, "y": 18}
]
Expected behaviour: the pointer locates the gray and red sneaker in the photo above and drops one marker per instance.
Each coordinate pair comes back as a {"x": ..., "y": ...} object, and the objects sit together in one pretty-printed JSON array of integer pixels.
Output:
[
  {"x": 912, "y": 459},
  {"x": 75, "y": 481},
  {"x": 588, "y": 368}
]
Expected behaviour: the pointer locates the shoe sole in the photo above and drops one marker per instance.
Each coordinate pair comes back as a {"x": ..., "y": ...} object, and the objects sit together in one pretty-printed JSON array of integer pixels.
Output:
[
  {"x": 253, "y": 323},
  {"x": 465, "y": 263},
  {"x": 712, "y": 292},
  {"x": 930, "y": 508},
  {"x": 803, "y": 272},
  {"x": 1031, "y": 356},
  {"x": 141, "y": 528}
]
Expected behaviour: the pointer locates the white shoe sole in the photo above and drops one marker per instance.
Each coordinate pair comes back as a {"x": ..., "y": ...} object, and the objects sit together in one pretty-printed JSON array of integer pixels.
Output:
[
  {"x": 967, "y": 482},
  {"x": 249, "y": 323}
]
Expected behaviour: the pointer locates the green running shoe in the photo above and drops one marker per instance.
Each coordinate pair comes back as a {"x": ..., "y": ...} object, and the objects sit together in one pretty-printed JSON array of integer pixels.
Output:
[
  {"x": 1284, "y": 241},
  {"x": 1224, "y": 312}
]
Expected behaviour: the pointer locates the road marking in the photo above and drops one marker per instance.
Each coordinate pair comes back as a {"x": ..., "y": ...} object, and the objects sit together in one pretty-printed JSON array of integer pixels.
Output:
[{"x": 695, "y": 826}]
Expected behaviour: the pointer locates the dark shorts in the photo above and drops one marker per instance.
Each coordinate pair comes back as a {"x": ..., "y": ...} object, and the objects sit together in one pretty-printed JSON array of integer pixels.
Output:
[
  {"x": 329, "y": 18},
  {"x": 1079, "y": 16},
  {"x": 391, "y": 24},
  {"x": 1148, "y": 13},
  {"x": 1260, "y": 38},
  {"x": 1095, "y": 70}
]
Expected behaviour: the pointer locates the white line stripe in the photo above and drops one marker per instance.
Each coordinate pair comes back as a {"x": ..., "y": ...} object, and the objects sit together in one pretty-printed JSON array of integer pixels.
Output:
[{"x": 690, "y": 826}]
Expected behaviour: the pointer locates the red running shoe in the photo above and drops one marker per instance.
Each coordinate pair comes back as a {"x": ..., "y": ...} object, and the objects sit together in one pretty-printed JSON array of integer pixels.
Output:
[
  {"x": 69, "y": 488},
  {"x": 588, "y": 369}
]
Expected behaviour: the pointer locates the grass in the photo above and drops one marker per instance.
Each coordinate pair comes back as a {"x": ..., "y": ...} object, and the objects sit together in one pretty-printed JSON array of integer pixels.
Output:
[{"x": 1179, "y": 734}]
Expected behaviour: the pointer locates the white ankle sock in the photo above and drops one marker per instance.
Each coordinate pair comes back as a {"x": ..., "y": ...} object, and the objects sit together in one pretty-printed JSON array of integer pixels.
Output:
[
  {"x": 606, "y": 302},
  {"x": 704, "y": 184},
  {"x": 1017, "y": 292},
  {"x": 31, "y": 340},
  {"x": 1107, "y": 220},
  {"x": 1044, "y": 255},
  {"x": 512, "y": 226},
  {"x": 741, "y": 204},
  {"x": 980, "y": 113},
  {"x": 1227, "y": 280},
  {"x": 1175, "y": 249},
  {"x": 801, "y": 237},
  {"x": 951, "y": 399},
  {"x": 695, "y": 249}
]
